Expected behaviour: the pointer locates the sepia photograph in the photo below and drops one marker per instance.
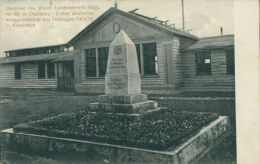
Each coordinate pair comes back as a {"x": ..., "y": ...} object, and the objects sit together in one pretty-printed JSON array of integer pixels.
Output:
[{"x": 120, "y": 81}]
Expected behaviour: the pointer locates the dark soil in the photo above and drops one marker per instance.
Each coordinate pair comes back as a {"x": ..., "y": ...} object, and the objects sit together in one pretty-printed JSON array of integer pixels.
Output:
[{"x": 159, "y": 130}]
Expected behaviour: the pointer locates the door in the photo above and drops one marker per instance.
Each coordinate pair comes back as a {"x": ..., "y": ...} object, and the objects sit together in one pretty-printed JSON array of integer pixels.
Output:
[
  {"x": 65, "y": 72},
  {"x": 168, "y": 64},
  {"x": 69, "y": 75}
]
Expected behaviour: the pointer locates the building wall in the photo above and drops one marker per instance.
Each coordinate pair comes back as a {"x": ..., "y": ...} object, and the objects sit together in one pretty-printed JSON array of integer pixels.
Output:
[
  {"x": 29, "y": 77},
  {"x": 217, "y": 81},
  {"x": 178, "y": 69}
]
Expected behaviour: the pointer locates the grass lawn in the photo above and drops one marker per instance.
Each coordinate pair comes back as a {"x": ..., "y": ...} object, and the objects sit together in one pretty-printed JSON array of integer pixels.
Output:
[{"x": 17, "y": 106}]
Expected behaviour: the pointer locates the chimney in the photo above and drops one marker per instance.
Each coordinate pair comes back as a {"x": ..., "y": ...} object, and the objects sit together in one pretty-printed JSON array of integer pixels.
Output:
[{"x": 221, "y": 31}]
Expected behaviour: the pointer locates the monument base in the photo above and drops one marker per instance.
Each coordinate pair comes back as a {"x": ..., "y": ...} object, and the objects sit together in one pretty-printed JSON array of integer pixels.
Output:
[
  {"x": 137, "y": 108},
  {"x": 134, "y": 104},
  {"x": 122, "y": 99}
]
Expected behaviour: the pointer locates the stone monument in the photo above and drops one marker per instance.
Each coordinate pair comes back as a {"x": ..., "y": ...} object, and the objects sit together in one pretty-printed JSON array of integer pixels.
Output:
[{"x": 122, "y": 80}]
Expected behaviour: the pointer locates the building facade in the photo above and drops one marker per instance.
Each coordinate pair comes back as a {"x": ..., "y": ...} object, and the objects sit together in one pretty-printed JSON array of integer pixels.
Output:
[
  {"x": 170, "y": 60},
  {"x": 34, "y": 67}
]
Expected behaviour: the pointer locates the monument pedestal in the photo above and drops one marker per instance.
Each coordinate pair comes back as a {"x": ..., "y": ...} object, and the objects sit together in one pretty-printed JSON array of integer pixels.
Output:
[
  {"x": 123, "y": 83},
  {"x": 122, "y": 99},
  {"x": 134, "y": 104}
]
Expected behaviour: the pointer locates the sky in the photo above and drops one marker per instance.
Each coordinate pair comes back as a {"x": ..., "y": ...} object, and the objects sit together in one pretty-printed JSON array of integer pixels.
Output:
[{"x": 204, "y": 17}]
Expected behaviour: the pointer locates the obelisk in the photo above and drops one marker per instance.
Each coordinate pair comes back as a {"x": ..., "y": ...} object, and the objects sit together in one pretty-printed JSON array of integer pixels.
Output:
[
  {"x": 122, "y": 74},
  {"x": 122, "y": 80}
]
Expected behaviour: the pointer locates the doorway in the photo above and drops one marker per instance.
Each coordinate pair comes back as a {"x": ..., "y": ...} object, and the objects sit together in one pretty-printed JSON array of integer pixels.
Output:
[{"x": 65, "y": 73}]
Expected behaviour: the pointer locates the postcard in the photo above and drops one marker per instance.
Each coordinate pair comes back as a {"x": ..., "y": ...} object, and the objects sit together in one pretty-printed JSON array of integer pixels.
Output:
[{"x": 58, "y": 56}]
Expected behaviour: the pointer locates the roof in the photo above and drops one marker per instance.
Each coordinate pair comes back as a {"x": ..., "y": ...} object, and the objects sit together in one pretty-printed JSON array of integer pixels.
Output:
[
  {"x": 64, "y": 58},
  {"x": 212, "y": 42},
  {"x": 137, "y": 17},
  {"x": 50, "y": 56},
  {"x": 170, "y": 29},
  {"x": 36, "y": 47}
]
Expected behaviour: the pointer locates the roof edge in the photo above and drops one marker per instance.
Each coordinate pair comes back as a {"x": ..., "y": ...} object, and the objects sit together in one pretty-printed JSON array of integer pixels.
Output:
[
  {"x": 36, "y": 47},
  {"x": 217, "y": 36},
  {"x": 206, "y": 48},
  {"x": 129, "y": 15},
  {"x": 43, "y": 57}
]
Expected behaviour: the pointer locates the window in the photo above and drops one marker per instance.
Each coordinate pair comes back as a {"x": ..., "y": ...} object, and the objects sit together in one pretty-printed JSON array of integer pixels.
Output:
[
  {"x": 44, "y": 51},
  {"x": 37, "y": 52},
  {"x": 230, "y": 62},
  {"x": 138, "y": 56},
  {"x": 150, "y": 59},
  {"x": 29, "y": 52},
  {"x": 91, "y": 67},
  {"x": 203, "y": 63},
  {"x": 13, "y": 54},
  {"x": 50, "y": 69},
  {"x": 52, "y": 50},
  {"x": 91, "y": 70},
  {"x": 41, "y": 69},
  {"x": 96, "y": 60},
  {"x": 102, "y": 58},
  {"x": 17, "y": 70},
  {"x": 20, "y": 53},
  {"x": 56, "y": 49},
  {"x": 71, "y": 48}
]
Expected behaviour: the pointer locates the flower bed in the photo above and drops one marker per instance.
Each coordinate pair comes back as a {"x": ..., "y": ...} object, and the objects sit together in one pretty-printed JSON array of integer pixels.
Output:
[{"x": 159, "y": 130}]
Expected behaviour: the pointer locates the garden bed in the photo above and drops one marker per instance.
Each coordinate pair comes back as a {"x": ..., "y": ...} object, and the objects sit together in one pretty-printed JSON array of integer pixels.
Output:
[{"x": 158, "y": 131}]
